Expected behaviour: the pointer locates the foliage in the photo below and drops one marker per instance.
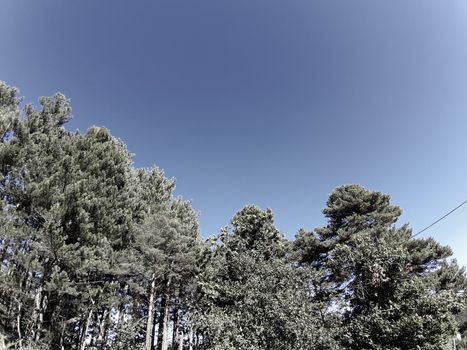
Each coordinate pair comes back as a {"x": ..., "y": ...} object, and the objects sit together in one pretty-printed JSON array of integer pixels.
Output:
[
  {"x": 95, "y": 254},
  {"x": 394, "y": 292}
]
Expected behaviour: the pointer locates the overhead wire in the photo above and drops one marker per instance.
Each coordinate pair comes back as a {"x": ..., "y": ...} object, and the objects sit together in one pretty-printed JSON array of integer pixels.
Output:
[{"x": 441, "y": 218}]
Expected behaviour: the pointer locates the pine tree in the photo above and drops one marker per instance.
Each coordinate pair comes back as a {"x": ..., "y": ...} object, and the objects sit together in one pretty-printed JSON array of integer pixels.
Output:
[
  {"x": 392, "y": 290},
  {"x": 69, "y": 215},
  {"x": 96, "y": 254}
]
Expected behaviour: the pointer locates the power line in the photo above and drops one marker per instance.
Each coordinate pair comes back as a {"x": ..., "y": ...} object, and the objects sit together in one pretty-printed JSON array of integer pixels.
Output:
[{"x": 441, "y": 218}]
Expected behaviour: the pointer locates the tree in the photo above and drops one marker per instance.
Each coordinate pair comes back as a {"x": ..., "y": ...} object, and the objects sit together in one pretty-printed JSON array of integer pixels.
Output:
[
  {"x": 72, "y": 208},
  {"x": 388, "y": 287},
  {"x": 252, "y": 298},
  {"x": 33, "y": 148},
  {"x": 95, "y": 254},
  {"x": 168, "y": 245}
]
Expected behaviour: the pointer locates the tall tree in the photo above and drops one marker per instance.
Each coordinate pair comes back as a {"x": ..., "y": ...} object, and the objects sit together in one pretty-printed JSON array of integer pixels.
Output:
[
  {"x": 168, "y": 246},
  {"x": 252, "y": 298},
  {"x": 69, "y": 199},
  {"x": 391, "y": 289},
  {"x": 97, "y": 254}
]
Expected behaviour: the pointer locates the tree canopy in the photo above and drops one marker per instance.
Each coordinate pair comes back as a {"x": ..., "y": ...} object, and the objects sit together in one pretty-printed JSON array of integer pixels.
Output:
[{"x": 98, "y": 254}]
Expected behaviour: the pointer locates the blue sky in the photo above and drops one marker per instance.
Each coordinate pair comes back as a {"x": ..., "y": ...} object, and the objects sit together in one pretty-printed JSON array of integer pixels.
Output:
[{"x": 262, "y": 101}]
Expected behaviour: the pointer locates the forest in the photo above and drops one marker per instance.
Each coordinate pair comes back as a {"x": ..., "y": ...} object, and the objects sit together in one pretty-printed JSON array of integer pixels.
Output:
[{"x": 98, "y": 254}]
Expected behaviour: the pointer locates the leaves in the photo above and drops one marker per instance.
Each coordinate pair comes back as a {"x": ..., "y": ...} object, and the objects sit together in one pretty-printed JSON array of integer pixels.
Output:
[{"x": 97, "y": 254}]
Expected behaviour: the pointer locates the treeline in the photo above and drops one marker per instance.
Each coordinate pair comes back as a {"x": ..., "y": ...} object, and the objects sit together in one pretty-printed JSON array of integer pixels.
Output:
[{"x": 95, "y": 254}]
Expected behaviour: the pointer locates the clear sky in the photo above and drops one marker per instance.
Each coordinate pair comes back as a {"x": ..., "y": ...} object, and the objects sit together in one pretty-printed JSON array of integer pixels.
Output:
[{"x": 262, "y": 101}]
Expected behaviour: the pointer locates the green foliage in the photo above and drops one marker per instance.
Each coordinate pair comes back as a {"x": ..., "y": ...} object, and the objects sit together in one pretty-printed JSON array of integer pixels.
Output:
[
  {"x": 72, "y": 209},
  {"x": 252, "y": 297},
  {"x": 95, "y": 254},
  {"x": 394, "y": 292}
]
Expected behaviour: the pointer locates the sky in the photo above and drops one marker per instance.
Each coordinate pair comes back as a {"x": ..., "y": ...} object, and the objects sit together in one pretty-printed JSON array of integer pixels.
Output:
[{"x": 265, "y": 102}]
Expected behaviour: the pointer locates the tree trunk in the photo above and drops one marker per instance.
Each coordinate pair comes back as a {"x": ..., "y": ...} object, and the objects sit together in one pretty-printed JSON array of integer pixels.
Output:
[
  {"x": 150, "y": 321},
  {"x": 102, "y": 327},
  {"x": 178, "y": 330},
  {"x": 175, "y": 329},
  {"x": 18, "y": 324},
  {"x": 180, "y": 339},
  {"x": 41, "y": 300},
  {"x": 190, "y": 339},
  {"x": 35, "y": 313},
  {"x": 162, "y": 342},
  {"x": 85, "y": 331},
  {"x": 154, "y": 330},
  {"x": 105, "y": 339}
]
